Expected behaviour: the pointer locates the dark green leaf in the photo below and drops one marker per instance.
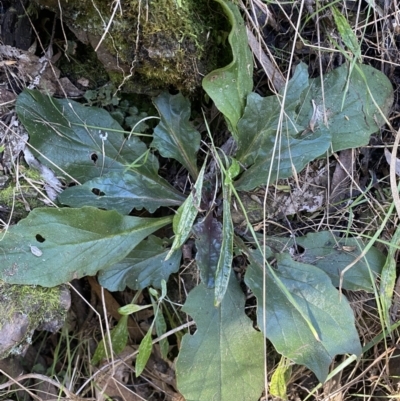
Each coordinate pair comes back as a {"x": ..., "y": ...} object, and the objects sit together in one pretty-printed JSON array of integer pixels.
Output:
[
  {"x": 143, "y": 267},
  {"x": 351, "y": 125},
  {"x": 223, "y": 360},
  {"x": 318, "y": 299},
  {"x": 229, "y": 86},
  {"x": 72, "y": 243},
  {"x": 82, "y": 142},
  {"x": 122, "y": 192},
  {"x": 333, "y": 254},
  {"x": 305, "y": 135},
  {"x": 208, "y": 243},
  {"x": 174, "y": 136},
  {"x": 259, "y": 125}
]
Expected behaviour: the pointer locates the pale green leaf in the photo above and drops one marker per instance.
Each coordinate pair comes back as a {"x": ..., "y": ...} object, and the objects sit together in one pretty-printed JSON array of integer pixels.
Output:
[
  {"x": 118, "y": 338},
  {"x": 223, "y": 359},
  {"x": 388, "y": 278},
  {"x": 161, "y": 328},
  {"x": 280, "y": 378},
  {"x": 131, "y": 308},
  {"x": 186, "y": 214},
  {"x": 224, "y": 267},
  {"x": 348, "y": 36},
  {"x": 229, "y": 86},
  {"x": 319, "y": 301},
  {"x": 145, "y": 348},
  {"x": 73, "y": 243},
  {"x": 163, "y": 289},
  {"x": 174, "y": 136},
  {"x": 143, "y": 267}
]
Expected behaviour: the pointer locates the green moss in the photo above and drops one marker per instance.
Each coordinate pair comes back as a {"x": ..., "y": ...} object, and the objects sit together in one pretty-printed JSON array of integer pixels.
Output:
[
  {"x": 41, "y": 305},
  {"x": 7, "y": 195},
  {"x": 17, "y": 198},
  {"x": 157, "y": 41}
]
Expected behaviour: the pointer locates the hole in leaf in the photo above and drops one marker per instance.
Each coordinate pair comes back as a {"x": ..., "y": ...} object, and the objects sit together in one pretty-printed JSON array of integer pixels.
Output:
[
  {"x": 299, "y": 250},
  {"x": 39, "y": 238},
  {"x": 97, "y": 192},
  {"x": 94, "y": 157},
  {"x": 172, "y": 90}
]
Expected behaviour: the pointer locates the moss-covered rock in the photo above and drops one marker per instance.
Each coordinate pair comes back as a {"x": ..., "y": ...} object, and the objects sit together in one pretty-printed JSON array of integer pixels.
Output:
[
  {"x": 148, "y": 44},
  {"x": 24, "y": 309}
]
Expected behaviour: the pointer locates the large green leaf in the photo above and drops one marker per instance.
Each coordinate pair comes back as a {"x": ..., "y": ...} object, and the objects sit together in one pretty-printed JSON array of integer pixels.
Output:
[
  {"x": 318, "y": 299},
  {"x": 333, "y": 254},
  {"x": 229, "y": 86},
  {"x": 174, "y": 136},
  {"x": 270, "y": 150},
  {"x": 54, "y": 246},
  {"x": 223, "y": 360},
  {"x": 122, "y": 192},
  {"x": 260, "y": 121},
  {"x": 351, "y": 122},
  {"x": 265, "y": 148},
  {"x": 83, "y": 142},
  {"x": 143, "y": 267}
]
